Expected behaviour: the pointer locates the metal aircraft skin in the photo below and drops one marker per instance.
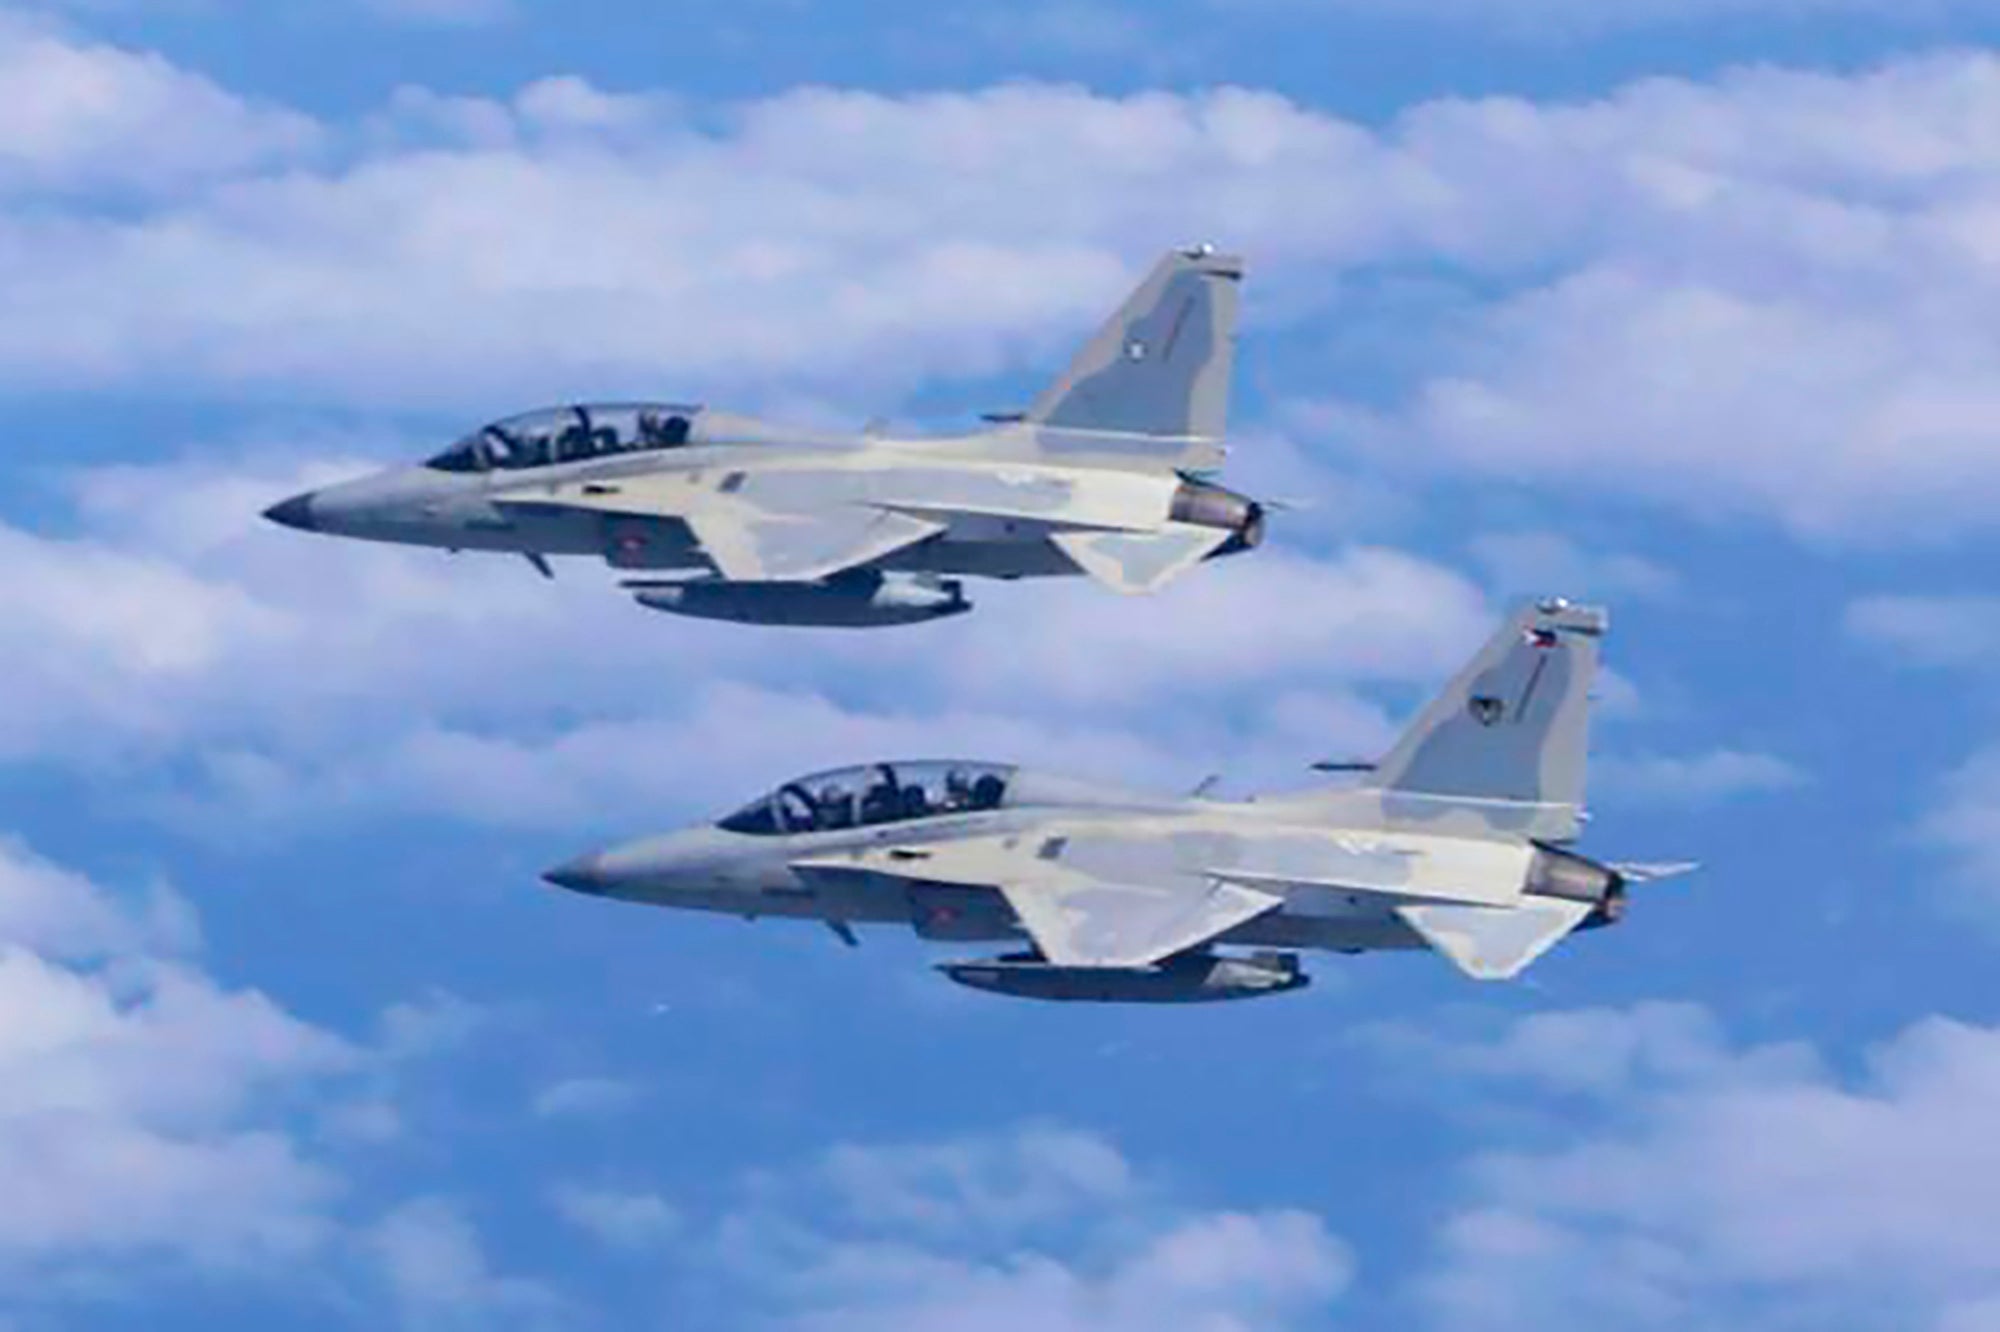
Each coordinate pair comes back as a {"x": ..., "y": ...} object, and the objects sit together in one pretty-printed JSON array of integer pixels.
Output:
[
  {"x": 726, "y": 517},
  {"x": 1459, "y": 840}
]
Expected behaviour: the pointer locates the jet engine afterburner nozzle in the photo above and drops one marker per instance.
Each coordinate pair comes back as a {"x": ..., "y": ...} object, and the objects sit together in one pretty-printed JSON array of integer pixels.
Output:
[
  {"x": 1611, "y": 910},
  {"x": 1572, "y": 877},
  {"x": 1205, "y": 505}
]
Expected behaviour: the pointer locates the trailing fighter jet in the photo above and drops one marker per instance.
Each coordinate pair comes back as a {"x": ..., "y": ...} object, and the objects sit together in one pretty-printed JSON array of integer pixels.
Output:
[
  {"x": 1459, "y": 840},
  {"x": 725, "y": 517}
]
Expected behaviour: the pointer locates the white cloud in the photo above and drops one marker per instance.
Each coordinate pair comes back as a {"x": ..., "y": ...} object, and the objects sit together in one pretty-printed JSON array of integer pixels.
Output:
[
  {"x": 139, "y": 1097},
  {"x": 1550, "y": 20},
  {"x": 90, "y": 117},
  {"x": 1604, "y": 1054},
  {"x": 999, "y": 1185},
  {"x": 363, "y": 1121},
  {"x": 1374, "y": 614},
  {"x": 1964, "y": 825},
  {"x": 1725, "y": 261},
  {"x": 1954, "y": 631},
  {"x": 1538, "y": 564},
  {"x": 438, "y": 1275},
  {"x": 437, "y": 1023},
  {"x": 171, "y": 624},
  {"x": 153, "y": 1119},
  {"x": 1725, "y": 346},
  {"x": 1048, "y": 1228},
  {"x": 444, "y": 239},
  {"x": 585, "y": 1098},
  {"x": 59, "y": 913},
  {"x": 1712, "y": 1185},
  {"x": 619, "y": 1219},
  {"x": 1961, "y": 823},
  {"x": 1764, "y": 294},
  {"x": 1722, "y": 774},
  {"x": 1231, "y": 1272}
]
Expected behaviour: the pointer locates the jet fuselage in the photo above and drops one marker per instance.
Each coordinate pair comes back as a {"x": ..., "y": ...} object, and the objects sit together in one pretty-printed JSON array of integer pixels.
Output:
[
  {"x": 1340, "y": 884},
  {"x": 985, "y": 498},
  {"x": 1102, "y": 474},
  {"x": 1458, "y": 839}
]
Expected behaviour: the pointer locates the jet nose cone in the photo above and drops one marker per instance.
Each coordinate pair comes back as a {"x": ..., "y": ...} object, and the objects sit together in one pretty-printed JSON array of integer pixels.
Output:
[
  {"x": 585, "y": 874},
  {"x": 295, "y": 512}
]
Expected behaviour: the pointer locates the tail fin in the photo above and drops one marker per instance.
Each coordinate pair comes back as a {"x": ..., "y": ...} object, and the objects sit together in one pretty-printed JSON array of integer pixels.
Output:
[
  {"x": 1513, "y": 727},
  {"x": 1161, "y": 366}
]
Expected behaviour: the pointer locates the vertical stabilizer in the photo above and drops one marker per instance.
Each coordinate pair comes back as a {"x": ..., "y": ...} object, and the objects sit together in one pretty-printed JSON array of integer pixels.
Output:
[
  {"x": 1513, "y": 728},
  {"x": 1161, "y": 366}
]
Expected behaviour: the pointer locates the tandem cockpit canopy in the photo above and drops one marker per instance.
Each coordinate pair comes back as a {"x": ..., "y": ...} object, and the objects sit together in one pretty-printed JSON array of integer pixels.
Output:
[
  {"x": 569, "y": 434},
  {"x": 874, "y": 794}
]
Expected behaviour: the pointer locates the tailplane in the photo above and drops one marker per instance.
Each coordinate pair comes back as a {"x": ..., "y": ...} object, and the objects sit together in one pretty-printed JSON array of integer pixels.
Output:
[
  {"x": 1160, "y": 368},
  {"x": 1495, "y": 943},
  {"x": 1508, "y": 737}
]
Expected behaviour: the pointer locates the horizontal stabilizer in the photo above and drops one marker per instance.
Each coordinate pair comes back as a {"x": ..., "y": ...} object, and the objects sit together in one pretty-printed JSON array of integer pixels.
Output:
[
  {"x": 753, "y": 545},
  {"x": 1495, "y": 943},
  {"x": 1653, "y": 873},
  {"x": 1092, "y": 923},
  {"x": 1139, "y": 562}
]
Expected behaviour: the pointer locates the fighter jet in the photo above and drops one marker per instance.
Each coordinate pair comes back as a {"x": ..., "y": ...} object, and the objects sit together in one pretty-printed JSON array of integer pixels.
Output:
[
  {"x": 724, "y": 517},
  {"x": 1459, "y": 840}
]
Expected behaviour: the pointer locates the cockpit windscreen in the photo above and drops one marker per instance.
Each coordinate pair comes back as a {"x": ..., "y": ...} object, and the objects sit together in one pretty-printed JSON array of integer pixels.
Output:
[
  {"x": 876, "y": 794},
  {"x": 569, "y": 434}
]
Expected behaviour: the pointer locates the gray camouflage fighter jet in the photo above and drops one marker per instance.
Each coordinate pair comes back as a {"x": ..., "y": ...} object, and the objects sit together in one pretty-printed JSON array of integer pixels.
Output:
[
  {"x": 1459, "y": 839},
  {"x": 729, "y": 518}
]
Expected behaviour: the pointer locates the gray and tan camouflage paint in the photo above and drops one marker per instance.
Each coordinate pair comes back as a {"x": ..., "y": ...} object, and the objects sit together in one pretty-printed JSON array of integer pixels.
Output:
[
  {"x": 1097, "y": 477},
  {"x": 1448, "y": 843}
]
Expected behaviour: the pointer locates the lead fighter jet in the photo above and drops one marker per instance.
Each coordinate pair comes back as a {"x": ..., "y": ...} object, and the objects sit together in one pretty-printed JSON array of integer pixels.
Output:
[
  {"x": 726, "y": 517},
  {"x": 1459, "y": 840}
]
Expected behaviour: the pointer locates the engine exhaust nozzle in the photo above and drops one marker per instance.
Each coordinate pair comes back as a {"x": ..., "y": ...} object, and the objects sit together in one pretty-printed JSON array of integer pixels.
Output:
[{"x": 1204, "y": 505}]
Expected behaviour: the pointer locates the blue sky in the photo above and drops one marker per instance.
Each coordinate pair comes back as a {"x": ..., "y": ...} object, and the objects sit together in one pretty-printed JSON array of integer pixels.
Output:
[{"x": 1684, "y": 307}]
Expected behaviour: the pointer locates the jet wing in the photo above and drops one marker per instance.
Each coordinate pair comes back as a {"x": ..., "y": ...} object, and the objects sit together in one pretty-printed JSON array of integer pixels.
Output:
[
  {"x": 759, "y": 545},
  {"x": 1075, "y": 919},
  {"x": 1095, "y": 923},
  {"x": 795, "y": 531}
]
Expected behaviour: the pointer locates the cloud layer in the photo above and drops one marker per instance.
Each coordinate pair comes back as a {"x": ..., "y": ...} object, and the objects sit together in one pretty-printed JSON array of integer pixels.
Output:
[
  {"x": 1686, "y": 1180},
  {"x": 141, "y": 1117},
  {"x": 1764, "y": 295},
  {"x": 170, "y": 631},
  {"x": 1045, "y": 1227}
]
